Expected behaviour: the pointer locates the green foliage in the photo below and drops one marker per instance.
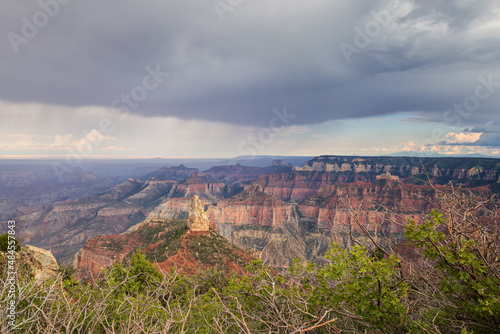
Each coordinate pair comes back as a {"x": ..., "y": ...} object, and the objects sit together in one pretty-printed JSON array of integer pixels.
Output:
[
  {"x": 137, "y": 277},
  {"x": 299, "y": 214},
  {"x": 67, "y": 275},
  {"x": 382, "y": 183},
  {"x": 470, "y": 286},
  {"x": 115, "y": 245},
  {"x": 4, "y": 243},
  {"x": 215, "y": 250},
  {"x": 170, "y": 244},
  {"x": 142, "y": 268},
  {"x": 367, "y": 286},
  {"x": 358, "y": 290}
]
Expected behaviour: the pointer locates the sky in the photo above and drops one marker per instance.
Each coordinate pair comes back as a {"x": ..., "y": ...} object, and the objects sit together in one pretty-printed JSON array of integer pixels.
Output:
[{"x": 226, "y": 78}]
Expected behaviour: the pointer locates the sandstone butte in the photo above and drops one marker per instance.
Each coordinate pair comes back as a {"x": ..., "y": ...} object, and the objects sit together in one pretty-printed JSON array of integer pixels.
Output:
[
  {"x": 197, "y": 219},
  {"x": 102, "y": 251}
]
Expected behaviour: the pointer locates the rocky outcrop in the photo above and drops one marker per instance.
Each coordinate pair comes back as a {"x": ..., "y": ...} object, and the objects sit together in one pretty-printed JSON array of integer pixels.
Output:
[
  {"x": 387, "y": 176},
  {"x": 256, "y": 221},
  {"x": 167, "y": 245},
  {"x": 42, "y": 263},
  {"x": 253, "y": 206},
  {"x": 197, "y": 219},
  {"x": 174, "y": 208},
  {"x": 38, "y": 263}
]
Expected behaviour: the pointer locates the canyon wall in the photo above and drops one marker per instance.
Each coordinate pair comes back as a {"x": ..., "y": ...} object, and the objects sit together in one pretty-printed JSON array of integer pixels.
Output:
[
  {"x": 282, "y": 215},
  {"x": 457, "y": 169},
  {"x": 281, "y": 231}
]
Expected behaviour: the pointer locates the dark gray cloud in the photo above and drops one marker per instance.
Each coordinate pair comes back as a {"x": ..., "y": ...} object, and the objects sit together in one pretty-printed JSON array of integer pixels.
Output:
[
  {"x": 457, "y": 15},
  {"x": 261, "y": 56},
  {"x": 489, "y": 139},
  {"x": 490, "y": 134},
  {"x": 488, "y": 127}
]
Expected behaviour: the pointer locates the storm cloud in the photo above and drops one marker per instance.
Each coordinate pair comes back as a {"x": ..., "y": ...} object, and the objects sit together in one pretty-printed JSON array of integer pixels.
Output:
[{"x": 234, "y": 61}]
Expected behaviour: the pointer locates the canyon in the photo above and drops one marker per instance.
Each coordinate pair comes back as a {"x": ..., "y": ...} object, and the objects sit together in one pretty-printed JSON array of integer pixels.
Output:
[
  {"x": 187, "y": 247},
  {"x": 280, "y": 212}
]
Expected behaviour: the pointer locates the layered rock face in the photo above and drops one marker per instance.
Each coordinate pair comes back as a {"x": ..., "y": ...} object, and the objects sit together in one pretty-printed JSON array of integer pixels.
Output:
[
  {"x": 306, "y": 229},
  {"x": 256, "y": 221},
  {"x": 241, "y": 173},
  {"x": 252, "y": 206},
  {"x": 195, "y": 185},
  {"x": 283, "y": 214},
  {"x": 66, "y": 226},
  {"x": 282, "y": 231},
  {"x": 102, "y": 251},
  {"x": 332, "y": 207},
  {"x": 297, "y": 186},
  {"x": 477, "y": 169}
]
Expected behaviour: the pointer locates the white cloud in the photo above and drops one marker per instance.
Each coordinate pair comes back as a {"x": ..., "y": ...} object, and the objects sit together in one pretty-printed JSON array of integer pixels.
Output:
[
  {"x": 62, "y": 141},
  {"x": 461, "y": 138},
  {"x": 93, "y": 138},
  {"x": 28, "y": 142},
  {"x": 117, "y": 149},
  {"x": 456, "y": 144}
]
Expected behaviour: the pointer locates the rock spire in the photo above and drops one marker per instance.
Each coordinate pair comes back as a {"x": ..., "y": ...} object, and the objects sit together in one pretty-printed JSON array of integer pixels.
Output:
[{"x": 197, "y": 220}]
